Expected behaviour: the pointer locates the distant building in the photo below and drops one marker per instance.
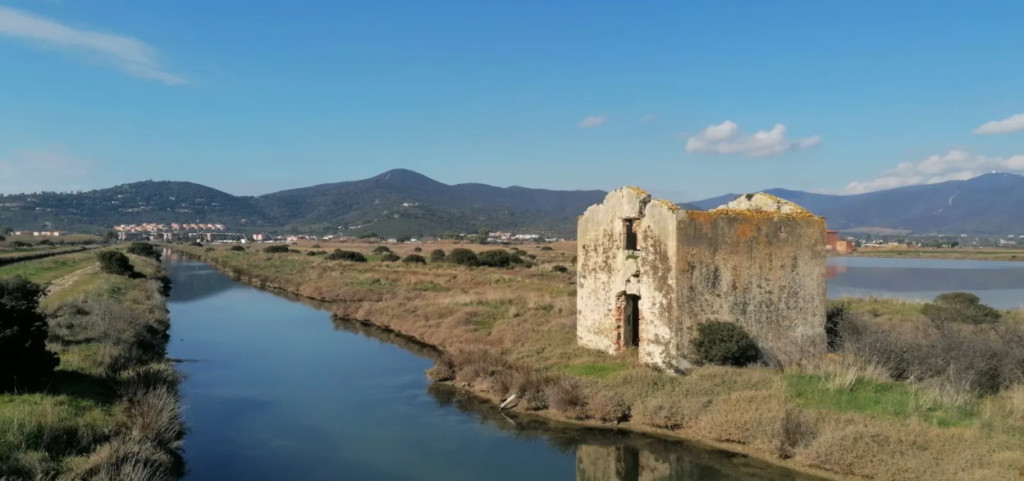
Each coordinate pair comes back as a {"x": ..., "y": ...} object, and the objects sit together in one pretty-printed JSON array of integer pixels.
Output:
[{"x": 834, "y": 244}]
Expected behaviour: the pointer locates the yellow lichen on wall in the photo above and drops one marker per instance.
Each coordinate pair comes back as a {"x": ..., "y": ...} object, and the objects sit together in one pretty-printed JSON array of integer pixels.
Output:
[
  {"x": 672, "y": 207},
  {"x": 638, "y": 190}
]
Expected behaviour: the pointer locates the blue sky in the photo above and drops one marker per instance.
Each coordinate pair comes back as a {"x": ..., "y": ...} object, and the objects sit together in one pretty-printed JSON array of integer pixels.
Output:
[{"x": 689, "y": 99}]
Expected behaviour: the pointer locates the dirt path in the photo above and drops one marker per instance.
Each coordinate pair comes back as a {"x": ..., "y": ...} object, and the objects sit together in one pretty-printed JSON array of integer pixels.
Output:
[{"x": 66, "y": 281}]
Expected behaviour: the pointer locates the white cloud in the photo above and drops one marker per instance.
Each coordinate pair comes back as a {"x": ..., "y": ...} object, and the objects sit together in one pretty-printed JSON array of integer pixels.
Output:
[
  {"x": 726, "y": 139},
  {"x": 128, "y": 54},
  {"x": 648, "y": 118},
  {"x": 592, "y": 121},
  {"x": 37, "y": 170},
  {"x": 954, "y": 165},
  {"x": 1005, "y": 126}
]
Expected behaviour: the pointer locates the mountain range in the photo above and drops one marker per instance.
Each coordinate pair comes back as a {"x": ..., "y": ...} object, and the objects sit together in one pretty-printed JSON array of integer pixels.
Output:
[
  {"x": 990, "y": 204},
  {"x": 405, "y": 203}
]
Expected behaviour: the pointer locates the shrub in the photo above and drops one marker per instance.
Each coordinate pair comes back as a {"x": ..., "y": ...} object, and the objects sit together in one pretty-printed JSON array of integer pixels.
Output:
[
  {"x": 45, "y": 242},
  {"x": 311, "y": 253},
  {"x": 379, "y": 250},
  {"x": 237, "y": 249},
  {"x": 414, "y": 259},
  {"x": 144, "y": 249},
  {"x": 436, "y": 255},
  {"x": 340, "y": 255},
  {"x": 443, "y": 370},
  {"x": 315, "y": 246},
  {"x": 463, "y": 257},
  {"x": 960, "y": 307},
  {"x": 210, "y": 249},
  {"x": 495, "y": 258},
  {"x": 566, "y": 396},
  {"x": 196, "y": 244},
  {"x": 390, "y": 257},
  {"x": 560, "y": 269},
  {"x": 2, "y": 238},
  {"x": 17, "y": 244},
  {"x": 573, "y": 260},
  {"x": 24, "y": 360},
  {"x": 836, "y": 314},
  {"x": 116, "y": 263},
  {"x": 275, "y": 249},
  {"x": 418, "y": 249},
  {"x": 608, "y": 407},
  {"x": 724, "y": 343},
  {"x": 546, "y": 248}
]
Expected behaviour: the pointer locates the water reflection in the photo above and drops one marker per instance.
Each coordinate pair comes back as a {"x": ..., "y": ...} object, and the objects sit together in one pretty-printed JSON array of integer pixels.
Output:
[
  {"x": 618, "y": 455},
  {"x": 999, "y": 284}
]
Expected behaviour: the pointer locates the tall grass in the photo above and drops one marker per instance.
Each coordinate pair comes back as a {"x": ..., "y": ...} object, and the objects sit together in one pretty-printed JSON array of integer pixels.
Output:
[{"x": 111, "y": 410}]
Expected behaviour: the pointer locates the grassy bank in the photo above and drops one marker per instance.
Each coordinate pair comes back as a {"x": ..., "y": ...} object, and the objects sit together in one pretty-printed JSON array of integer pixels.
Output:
[
  {"x": 963, "y": 253},
  {"x": 14, "y": 257},
  {"x": 110, "y": 409},
  {"x": 904, "y": 396}
]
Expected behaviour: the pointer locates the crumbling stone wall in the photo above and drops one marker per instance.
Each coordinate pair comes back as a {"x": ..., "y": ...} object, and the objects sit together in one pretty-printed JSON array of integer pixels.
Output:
[
  {"x": 604, "y": 270},
  {"x": 764, "y": 270},
  {"x": 757, "y": 261}
]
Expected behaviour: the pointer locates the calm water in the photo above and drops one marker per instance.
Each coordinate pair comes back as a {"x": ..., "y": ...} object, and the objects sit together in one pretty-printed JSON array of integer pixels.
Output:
[
  {"x": 276, "y": 390},
  {"x": 998, "y": 284}
]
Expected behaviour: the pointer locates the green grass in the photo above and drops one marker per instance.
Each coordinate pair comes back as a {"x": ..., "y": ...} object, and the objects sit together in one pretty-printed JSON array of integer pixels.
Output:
[
  {"x": 491, "y": 312},
  {"x": 876, "y": 399},
  {"x": 85, "y": 283},
  {"x": 43, "y": 434},
  {"x": 597, "y": 370},
  {"x": 51, "y": 268}
]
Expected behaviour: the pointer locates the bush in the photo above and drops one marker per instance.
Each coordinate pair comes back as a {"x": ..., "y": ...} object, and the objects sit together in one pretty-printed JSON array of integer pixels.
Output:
[
  {"x": 414, "y": 259},
  {"x": 560, "y": 269},
  {"x": 436, "y": 255},
  {"x": 340, "y": 255},
  {"x": 724, "y": 343},
  {"x": 495, "y": 258},
  {"x": 379, "y": 250},
  {"x": 276, "y": 249},
  {"x": 24, "y": 360},
  {"x": 390, "y": 257},
  {"x": 315, "y": 246},
  {"x": 566, "y": 396},
  {"x": 17, "y": 244},
  {"x": 45, "y": 242},
  {"x": 418, "y": 249},
  {"x": 463, "y": 257},
  {"x": 546, "y": 248},
  {"x": 237, "y": 249},
  {"x": 210, "y": 249},
  {"x": 196, "y": 244},
  {"x": 144, "y": 249},
  {"x": 116, "y": 263},
  {"x": 960, "y": 307}
]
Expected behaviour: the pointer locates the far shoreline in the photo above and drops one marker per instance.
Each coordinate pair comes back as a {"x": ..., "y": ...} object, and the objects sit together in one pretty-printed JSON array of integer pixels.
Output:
[{"x": 956, "y": 253}]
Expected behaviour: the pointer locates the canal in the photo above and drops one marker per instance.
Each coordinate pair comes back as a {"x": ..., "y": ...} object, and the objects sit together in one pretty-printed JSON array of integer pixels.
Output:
[{"x": 275, "y": 389}]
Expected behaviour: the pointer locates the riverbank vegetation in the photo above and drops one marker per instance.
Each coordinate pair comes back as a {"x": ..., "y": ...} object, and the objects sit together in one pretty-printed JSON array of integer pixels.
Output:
[
  {"x": 909, "y": 390},
  {"x": 110, "y": 409}
]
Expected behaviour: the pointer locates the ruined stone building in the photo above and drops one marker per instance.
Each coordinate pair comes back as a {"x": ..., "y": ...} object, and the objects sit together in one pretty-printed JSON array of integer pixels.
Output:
[{"x": 649, "y": 272}]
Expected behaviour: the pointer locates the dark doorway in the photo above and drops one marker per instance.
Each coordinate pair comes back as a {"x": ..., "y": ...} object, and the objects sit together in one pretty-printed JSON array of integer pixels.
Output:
[{"x": 631, "y": 322}]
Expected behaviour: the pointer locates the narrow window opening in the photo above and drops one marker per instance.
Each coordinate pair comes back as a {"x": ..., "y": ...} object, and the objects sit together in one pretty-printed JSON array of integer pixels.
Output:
[
  {"x": 629, "y": 235},
  {"x": 631, "y": 322}
]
